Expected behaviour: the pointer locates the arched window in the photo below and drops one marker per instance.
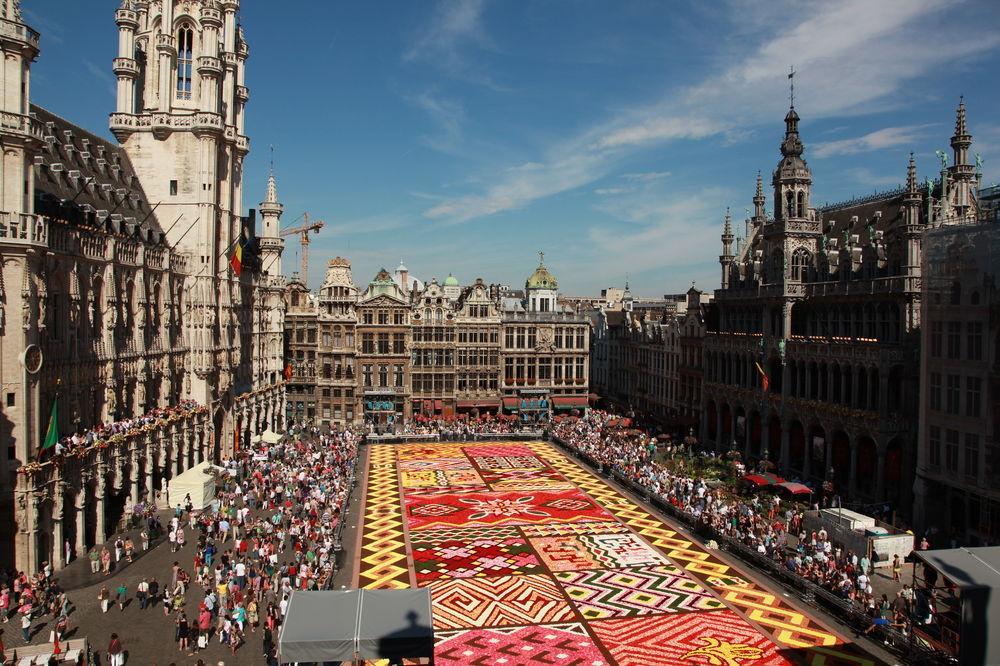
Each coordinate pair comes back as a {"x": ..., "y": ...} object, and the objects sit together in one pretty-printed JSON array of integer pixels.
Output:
[
  {"x": 956, "y": 293},
  {"x": 802, "y": 204},
  {"x": 185, "y": 59},
  {"x": 777, "y": 272},
  {"x": 789, "y": 204},
  {"x": 801, "y": 262}
]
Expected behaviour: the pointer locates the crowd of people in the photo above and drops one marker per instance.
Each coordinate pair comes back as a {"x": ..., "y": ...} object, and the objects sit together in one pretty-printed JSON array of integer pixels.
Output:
[
  {"x": 465, "y": 428},
  {"x": 274, "y": 527},
  {"x": 123, "y": 427},
  {"x": 764, "y": 523}
]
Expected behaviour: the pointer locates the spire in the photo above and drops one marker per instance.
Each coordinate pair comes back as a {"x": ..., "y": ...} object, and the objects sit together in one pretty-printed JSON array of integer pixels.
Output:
[
  {"x": 727, "y": 228},
  {"x": 960, "y": 128},
  {"x": 272, "y": 188},
  {"x": 758, "y": 200},
  {"x": 961, "y": 140},
  {"x": 911, "y": 175}
]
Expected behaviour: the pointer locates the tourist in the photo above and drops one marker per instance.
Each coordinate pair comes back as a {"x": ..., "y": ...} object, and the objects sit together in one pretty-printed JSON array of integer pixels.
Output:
[
  {"x": 26, "y": 627},
  {"x": 95, "y": 560},
  {"x": 116, "y": 654},
  {"x": 144, "y": 539},
  {"x": 104, "y": 597},
  {"x": 121, "y": 593},
  {"x": 106, "y": 560},
  {"x": 142, "y": 593},
  {"x": 181, "y": 632}
]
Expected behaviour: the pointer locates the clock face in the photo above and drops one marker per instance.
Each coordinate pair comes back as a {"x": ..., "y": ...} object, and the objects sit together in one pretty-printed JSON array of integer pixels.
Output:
[{"x": 32, "y": 359}]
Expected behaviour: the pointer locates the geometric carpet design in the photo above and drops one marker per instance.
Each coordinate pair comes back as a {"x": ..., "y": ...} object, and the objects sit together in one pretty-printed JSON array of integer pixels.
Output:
[
  {"x": 564, "y": 644},
  {"x": 721, "y": 638},
  {"x": 501, "y": 508},
  {"x": 532, "y": 559},
  {"x": 482, "y": 555},
  {"x": 497, "y": 602},
  {"x": 640, "y": 591}
]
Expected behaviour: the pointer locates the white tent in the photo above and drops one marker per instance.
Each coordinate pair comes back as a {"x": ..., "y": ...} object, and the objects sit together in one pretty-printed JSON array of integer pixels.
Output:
[
  {"x": 267, "y": 437},
  {"x": 199, "y": 482}
]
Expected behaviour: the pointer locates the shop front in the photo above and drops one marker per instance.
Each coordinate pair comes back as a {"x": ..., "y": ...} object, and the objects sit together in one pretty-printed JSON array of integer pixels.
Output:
[{"x": 383, "y": 410}]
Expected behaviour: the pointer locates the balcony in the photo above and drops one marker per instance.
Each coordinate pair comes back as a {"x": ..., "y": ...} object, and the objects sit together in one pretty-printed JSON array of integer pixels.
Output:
[
  {"x": 20, "y": 124},
  {"x": 165, "y": 42},
  {"x": 127, "y": 18},
  {"x": 242, "y": 93},
  {"x": 23, "y": 229},
  {"x": 19, "y": 32},
  {"x": 125, "y": 67},
  {"x": 209, "y": 65}
]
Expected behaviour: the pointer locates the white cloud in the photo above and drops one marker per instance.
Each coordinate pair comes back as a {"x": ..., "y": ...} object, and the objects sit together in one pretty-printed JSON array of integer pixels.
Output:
[
  {"x": 448, "y": 114},
  {"x": 608, "y": 191},
  {"x": 646, "y": 176},
  {"x": 444, "y": 41},
  {"x": 832, "y": 48},
  {"x": 887, "y": 137}
]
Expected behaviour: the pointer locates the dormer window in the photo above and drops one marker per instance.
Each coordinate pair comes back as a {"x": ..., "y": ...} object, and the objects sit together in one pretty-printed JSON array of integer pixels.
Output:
[{"x": 185, "y": 60}]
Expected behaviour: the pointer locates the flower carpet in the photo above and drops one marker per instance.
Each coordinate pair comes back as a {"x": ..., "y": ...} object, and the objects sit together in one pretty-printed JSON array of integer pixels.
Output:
[{"x": 531, "y": 559}]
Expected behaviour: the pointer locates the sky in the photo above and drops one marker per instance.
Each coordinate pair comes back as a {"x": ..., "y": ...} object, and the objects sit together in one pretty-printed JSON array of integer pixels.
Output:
[{"x": 463, "y": 136}]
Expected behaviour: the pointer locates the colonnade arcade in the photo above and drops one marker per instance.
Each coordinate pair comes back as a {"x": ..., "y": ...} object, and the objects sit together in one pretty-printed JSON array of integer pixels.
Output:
[
  {"x": 81, "y": 497},
  {"x": 862, "y": 462},
  {"x": 258, "y": 411}
]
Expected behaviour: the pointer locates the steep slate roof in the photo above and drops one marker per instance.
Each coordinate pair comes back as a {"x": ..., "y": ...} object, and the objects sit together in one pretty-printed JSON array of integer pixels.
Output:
[
  {"x": 837, "y": 218},
  {"x": 79, "y": 174}
]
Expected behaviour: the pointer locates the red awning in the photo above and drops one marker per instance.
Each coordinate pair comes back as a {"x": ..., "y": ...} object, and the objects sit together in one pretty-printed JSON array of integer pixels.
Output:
[
  {"x": 763, "y": 479},
  {"x": 437, "y": 405},
  {"x": 512, "y": 403},
  {"x": 570, "y": 401},
  {"x": 795, "y": 488}
]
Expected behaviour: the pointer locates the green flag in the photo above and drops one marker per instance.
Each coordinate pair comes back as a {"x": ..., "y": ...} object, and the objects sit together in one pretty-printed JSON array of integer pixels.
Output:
[{"x": 52, "y": 436}]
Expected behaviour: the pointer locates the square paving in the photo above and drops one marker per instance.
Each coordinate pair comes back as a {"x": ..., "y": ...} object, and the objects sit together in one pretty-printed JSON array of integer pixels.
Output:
[{"x": 533, "y": 560}]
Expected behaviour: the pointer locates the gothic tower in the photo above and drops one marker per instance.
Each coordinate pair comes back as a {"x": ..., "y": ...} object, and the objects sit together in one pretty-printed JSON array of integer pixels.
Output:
[
  {"x": 271, "y": 243},
  {"x": 180, "y": 117},
  {"x": 792, "y": 179},
  {"x": 726, "y": 258},
  {"x": 962, "y": 175}
]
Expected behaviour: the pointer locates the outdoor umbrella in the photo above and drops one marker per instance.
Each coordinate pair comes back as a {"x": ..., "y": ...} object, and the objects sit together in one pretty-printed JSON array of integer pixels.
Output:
[{"x": 795, "y": 488}]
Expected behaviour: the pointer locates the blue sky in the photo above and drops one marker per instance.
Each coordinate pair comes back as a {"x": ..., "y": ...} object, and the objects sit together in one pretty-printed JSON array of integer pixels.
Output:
[{"x": 464, "y": 136}]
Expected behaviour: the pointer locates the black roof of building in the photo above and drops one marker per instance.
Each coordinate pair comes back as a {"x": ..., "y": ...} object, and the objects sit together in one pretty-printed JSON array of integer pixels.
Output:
[{"x": 86, "y": 180}]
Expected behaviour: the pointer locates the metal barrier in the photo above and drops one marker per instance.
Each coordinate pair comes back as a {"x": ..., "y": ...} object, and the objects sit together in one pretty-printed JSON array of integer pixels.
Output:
[{"x": 809, "y": 593}]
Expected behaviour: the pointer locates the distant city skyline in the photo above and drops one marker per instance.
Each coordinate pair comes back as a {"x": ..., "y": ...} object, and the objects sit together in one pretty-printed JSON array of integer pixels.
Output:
[{"x": 463, "y": 137}]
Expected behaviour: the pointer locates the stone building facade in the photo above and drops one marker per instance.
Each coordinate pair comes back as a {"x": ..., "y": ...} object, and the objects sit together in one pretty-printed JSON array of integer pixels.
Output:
[
  {"x": 648, "y": 361},
  {"x": 544, "y": 351},
  {"x": 958, "y": 464},
  {"x": 405, "y": 349},
  {"x": 116, "y": 295},
  {"x": 827, "y": 302}
]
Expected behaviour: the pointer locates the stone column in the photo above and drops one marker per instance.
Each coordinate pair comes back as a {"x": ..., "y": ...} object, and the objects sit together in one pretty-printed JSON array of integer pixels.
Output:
[
  {"x": 99, "y": 498},
  {"x": 828, "y": 443},
  {"x": 133, "y": 475},
  {"x": 785, "y": 447},
  {"x": 58, "y": 556},
  {"x": 80, "y": 504},
  {"x": 765, "y": 440},
  {"x": 855, "y": 385},
  {"x": 872, "y": 390},
  {"x": 852, "y": 484}
]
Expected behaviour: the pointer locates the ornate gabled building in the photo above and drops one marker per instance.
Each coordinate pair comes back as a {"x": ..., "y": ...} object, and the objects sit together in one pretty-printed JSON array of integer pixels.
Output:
[
  {"x": 827, "y": 302},
  {"x": 477, "y": 349},
  {"x": 383, "y": 335},
  {"x": 117, "y": 300},
  {"x": 432, "y": 354},
  {"x": 544, "y": 351}
]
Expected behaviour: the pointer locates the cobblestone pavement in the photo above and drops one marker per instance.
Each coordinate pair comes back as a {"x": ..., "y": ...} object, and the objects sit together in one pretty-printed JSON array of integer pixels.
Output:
[{"x": 147, "y": 635}]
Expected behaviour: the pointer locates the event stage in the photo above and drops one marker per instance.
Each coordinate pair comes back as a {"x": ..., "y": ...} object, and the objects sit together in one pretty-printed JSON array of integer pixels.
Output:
[{"x": 531, "y": 559}]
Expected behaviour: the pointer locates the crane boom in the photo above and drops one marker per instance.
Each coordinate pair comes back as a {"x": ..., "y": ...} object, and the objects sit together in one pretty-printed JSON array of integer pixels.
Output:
[{"x": 303, "y": 231}]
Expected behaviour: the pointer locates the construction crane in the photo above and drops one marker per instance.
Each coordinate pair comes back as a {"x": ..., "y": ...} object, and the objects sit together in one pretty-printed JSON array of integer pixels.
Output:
[{"x": 304, "y": 229}]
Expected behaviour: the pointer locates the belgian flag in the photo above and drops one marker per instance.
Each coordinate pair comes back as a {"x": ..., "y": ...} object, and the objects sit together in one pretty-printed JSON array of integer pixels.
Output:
[{"x": 236, "y": 257}]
